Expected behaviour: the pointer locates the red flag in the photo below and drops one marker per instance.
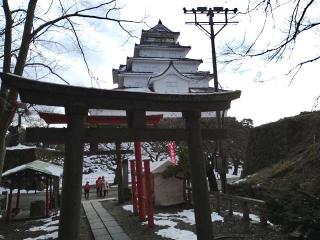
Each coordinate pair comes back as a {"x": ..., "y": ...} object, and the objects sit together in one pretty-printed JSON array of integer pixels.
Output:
[{"x": 172, "y": 152}]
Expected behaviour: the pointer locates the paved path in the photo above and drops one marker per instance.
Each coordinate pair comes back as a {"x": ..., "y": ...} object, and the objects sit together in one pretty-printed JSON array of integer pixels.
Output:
[{"x": 103, "y": 225}]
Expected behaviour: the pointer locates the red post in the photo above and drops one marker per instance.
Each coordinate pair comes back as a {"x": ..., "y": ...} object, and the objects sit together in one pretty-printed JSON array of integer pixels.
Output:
[
  {"x": 149, "y": 200},
  {"x": 134, "y": 186},
  {"x": 141, "y": 207},
  {"x": 9, "y": 206},
  {"x": 47, "y": 198}
]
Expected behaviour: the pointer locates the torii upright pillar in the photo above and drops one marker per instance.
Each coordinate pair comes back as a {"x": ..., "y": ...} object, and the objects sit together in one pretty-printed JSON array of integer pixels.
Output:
[
  {"x": 198, "y": 176},
  {"x": 72, "y": 173}
]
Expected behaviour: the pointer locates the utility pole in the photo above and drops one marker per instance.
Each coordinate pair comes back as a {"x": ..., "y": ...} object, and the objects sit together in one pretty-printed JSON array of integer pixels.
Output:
[{"x": 210, "y": 13}]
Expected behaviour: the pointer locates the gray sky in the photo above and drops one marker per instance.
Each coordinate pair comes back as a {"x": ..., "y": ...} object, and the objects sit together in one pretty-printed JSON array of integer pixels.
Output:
[{"x": 267, "y": 94}]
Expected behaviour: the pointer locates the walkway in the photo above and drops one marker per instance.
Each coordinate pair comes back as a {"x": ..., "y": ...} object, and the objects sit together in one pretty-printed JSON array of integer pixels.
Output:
[{"x": 103, "y": 225}]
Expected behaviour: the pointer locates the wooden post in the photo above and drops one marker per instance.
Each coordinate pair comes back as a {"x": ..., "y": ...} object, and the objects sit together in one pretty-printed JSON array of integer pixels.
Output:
[
  {"x": 217, "y": 208},
  {"x": 56, "y": 192},
  {"x": 141, "y": 205},
  {"x": 245, "y": 209},
  {"x": 198, "y": 176},
  {"x": 125, "y": 175},
  {"x": 263, "y": 215},
  {"x": 50, "y": 193},
  {"x": 9, "y": 208},
  {"x": 149, "y": 198},
  {"x": 119, "y": 173},
  {"x": 134, "y": 186},
  {"x": 18, "y": 197},
  {"x": 72, "y": 173},
  {"x": 47, "y": 197},
  {"x": 230, "y": 206}
]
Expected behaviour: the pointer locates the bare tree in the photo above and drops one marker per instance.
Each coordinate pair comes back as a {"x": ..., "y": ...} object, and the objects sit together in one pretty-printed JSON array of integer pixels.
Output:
[
  {"x": 277, "y": 30},
  {"x": 26, "y": 31},
  {"x": 156, "y": 151}
]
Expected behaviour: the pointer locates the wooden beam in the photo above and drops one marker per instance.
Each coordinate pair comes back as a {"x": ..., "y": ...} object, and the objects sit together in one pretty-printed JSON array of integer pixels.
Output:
[
  {"x": 62, "y": 95},
  {"x": 100, "y": 135}
]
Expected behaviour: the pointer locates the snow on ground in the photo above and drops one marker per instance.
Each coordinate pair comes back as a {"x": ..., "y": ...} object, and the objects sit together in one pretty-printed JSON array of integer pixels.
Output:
[
  {"x": 53, "y": 235},
  {"x": 253, "y": 218},
  {"x": 19, "y": 147},
  {"x": 215, "y": 217},
  {"x": 49, "y": 226},
  {"x": 175, "y": 233},
  {"x": 128, "y": 208},
  {"x": 171, "y": 220},
  {"x": 243, "y": 179},
  {"x": 230, "y": 172}
]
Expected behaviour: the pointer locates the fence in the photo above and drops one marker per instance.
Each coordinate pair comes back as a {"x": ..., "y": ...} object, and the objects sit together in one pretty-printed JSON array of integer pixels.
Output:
[{"x": 245, "y": 204}]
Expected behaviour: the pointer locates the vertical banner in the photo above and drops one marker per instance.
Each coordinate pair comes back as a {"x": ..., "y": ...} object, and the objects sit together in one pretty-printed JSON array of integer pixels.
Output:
[{"x": 172, "y": 152}]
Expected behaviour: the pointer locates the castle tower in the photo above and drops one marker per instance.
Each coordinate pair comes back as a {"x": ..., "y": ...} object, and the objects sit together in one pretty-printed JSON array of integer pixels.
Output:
[{"x": 160, "y": 64}]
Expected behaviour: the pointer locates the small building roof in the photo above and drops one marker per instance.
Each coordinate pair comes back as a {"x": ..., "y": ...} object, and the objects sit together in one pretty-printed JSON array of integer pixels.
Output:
[
  {"x": 160, "y": 167},
  {"x": 38, "y": 166}
]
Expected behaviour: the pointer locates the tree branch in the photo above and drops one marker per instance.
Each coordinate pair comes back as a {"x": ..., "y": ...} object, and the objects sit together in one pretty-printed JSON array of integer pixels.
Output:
[
  {"x": 81, "y": 15},
  {"x": 8, "y": 37},
  {"x": 49, "y": 68},
  {"x": 26, "y": 38},
  {"x": 82, "y": 52}
]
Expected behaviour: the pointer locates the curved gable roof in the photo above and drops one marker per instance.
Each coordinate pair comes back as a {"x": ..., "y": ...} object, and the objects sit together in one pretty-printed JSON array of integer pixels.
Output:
[{"x": 171, "y": 69}]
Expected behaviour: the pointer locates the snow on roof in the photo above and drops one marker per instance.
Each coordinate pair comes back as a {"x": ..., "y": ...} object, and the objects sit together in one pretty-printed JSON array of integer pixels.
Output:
[
  {"x": 159, "y": 167},
  {"x": 39, "y": 166},
  {"x": 19, "y": 147}
]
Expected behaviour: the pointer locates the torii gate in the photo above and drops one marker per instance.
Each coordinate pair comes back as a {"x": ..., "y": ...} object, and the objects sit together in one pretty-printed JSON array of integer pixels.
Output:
[{"x": 77, "y": 101}]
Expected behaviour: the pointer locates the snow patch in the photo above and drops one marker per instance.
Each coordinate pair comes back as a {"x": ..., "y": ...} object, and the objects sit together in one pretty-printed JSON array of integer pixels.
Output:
[
  {"x": 177, "y": 234},
  {"x": 19, "y": 147},
  {"x": 243, "y": 179},
  {"x": 215, "y": 217},
  {"x": 53, "y": 235},
  {"x": 128, "y": 208}
]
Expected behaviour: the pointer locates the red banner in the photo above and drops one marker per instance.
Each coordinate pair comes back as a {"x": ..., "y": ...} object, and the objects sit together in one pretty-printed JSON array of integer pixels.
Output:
[{"x": 172, "y": 152}]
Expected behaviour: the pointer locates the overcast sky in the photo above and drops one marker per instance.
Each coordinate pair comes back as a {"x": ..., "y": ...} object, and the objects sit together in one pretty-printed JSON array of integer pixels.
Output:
[{"x": 267, "y": 94}]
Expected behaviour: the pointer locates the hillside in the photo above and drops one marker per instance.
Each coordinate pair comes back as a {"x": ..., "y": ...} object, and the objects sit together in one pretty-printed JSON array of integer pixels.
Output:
[
  {"x": 275, "y": 142},
  {"x": 284, "y": 162}
]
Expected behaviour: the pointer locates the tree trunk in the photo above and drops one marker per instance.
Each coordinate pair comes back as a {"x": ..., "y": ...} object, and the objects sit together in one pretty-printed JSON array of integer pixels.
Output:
[
  {"x": 9, "y": 98},
  {"x": 5, "y": 121}
]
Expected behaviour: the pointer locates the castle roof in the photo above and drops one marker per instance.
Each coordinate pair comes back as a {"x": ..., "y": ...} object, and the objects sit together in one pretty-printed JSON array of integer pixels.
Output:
[{"x": 159, "y": 28}]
